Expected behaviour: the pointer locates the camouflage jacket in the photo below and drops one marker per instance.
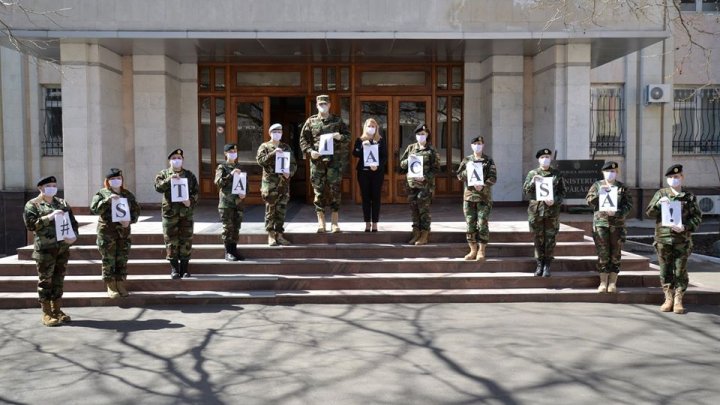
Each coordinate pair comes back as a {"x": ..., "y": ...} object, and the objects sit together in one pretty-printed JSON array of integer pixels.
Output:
[
  {"x": 272, "y": 181},
  {"x": 316, "y": 126},
  {"x": 431, "y": 165},
  {"x": 162, "y": 185},
  {"x": 624, "y": 205},
  {"x": 489, "y": 176},
  {"x": 224, "y": 182},
  {"x": 691, "y": 216},
  {"x": 539, "y": 208},
  {"x": 102, "y": 205},
  {"x": 43, "y": 228}
]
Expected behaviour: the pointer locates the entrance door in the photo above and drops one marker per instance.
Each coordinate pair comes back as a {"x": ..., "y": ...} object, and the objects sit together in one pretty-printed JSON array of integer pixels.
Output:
[
  {"x": 249, "y": 118},
  {"x": 397, "y": 117}
]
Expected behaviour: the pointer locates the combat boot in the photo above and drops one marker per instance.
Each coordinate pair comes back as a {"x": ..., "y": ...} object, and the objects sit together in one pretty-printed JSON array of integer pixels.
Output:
[
  {"x": 473, "y": 251},
  {"x": 174, "y": 269},
  {"x": 539, "y": 268},
  {"x": 321, "y": 222},
  {"x": 423, "y": 238},
  {"x": 48, "y": 319},
  {"x": 481, "y": 252},
  {"x": 667, "y": 306},
  {"x": 121, "y": 289},
  {"x": 546, "y": 268},
  {"x": 272, "y": 239},
  {"x": 281, "y": 239},
  {"x": 415, "y": 236},
  {"x": 58, "y": 314},
  {"x": 603, "y": 287},
  {"x": 612, "y": 283},
  {"x": 111, "y": 286},
  {"x": 678, "y": 304},
  {"x": 235, "y": 252},
  {"x": 229, "y": 254},
  {"x": 334, "y": 218},
  {"x": 184, "y": 268}
]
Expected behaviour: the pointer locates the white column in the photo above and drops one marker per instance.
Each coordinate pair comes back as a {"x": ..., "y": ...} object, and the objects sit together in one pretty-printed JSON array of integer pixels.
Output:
[{"x": 15, "y": 123}]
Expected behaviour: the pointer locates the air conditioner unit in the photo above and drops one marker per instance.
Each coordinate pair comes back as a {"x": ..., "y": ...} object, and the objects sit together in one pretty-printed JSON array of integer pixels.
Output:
[
  {"x": 709, "y": 204},
  {"x": 658, "y": 93}
]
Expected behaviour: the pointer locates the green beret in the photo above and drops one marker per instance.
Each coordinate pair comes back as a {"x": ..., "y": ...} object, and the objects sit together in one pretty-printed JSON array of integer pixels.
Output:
[
  {"x": 229, "y": 146},
  {"x": 541, "y": 152},
  {"x": 421, "y": 128},
  {"x": 674, "y": 169},
  {"x": 177, "y": 151},
  {"x": 45, "y": 180},
  {"x": 478, "y": 139},
  {"x": 610, "y": 165},
  {"x": 113, "y": 172}
]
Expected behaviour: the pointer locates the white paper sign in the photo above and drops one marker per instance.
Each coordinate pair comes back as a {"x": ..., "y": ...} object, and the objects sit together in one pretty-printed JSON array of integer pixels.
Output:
[
  {"x": 608, "y": 200},
  {"x": 415, "y": 167},
  {"x": 282, "y": 162},
  {"x": 239, "y": 186},
  {"x": 371, "y": 157},
  {"x": 475, "y": 175},
  {"x": 63, "y": 228},
  {"x": 671, "y": 213},
  {"x": 179, "y": 190},
  {"x": 544, "y": 189},
  {"x": 326, "y": 144},
  {"x": 120, "y": 209}
]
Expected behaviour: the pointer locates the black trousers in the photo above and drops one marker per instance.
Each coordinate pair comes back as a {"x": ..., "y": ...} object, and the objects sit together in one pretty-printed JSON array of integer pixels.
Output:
[{"x": 371, "y": 189}]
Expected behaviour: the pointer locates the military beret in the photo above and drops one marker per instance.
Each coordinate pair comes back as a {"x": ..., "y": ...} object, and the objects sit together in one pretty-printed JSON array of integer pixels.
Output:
[
  {"x": 609, "y": 165},
  {"x": 541, "y": 152},
  {"x": 177, "y": 151},
  {"x": 421, "y": 128},
  {"x": 323, "y": 98},
  {"x": 113, "y": 172},
  {"x": 45, "y": 180},
  {"x": 674, "y": 169},
  {"x": 229, "y": 146},
  {"x": 478, "y": 139},
  {"x": 275, "y": 126}
]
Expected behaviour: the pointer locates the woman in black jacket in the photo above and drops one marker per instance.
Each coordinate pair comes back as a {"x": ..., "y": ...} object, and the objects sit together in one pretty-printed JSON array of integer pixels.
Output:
[{"x": 370, "y": 171}]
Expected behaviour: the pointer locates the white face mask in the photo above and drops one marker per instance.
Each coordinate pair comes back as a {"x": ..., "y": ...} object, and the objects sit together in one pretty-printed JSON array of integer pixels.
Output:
[
  {"x": 322, "y": 109},
  {"x": 50, "y": 191},
  {"x": 276, "y": 135},
  {"x": 477, "y": 148},
  {"x": 421, "y": 138},
  {"x": 544, "y": 162},
  {"x": 115, "y": 183},
  {"x": 232, "y": 155},
  {"x": 673, "y": 182},
  {"x": 176, "y": 163},
  {"x": 610, "y": 176},
  {"x": 370, "y": 130}
]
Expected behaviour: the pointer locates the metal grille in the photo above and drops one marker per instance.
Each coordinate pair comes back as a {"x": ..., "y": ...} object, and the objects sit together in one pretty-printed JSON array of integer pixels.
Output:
[
  {"x": 52, "y": 135},
  {"x": 607, "y": 120},
  {"x": 696, "y": 121}
]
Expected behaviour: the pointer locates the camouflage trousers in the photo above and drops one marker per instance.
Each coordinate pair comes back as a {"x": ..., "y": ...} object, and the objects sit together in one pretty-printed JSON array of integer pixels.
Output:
[
  {"x": 326, "y": 179},
  {"x": 420, "y": 200},
  {"x": 231, "y": 219},
  {"x": 672, "y": 259},
  {"x": 178, "y": 234},
  {"x": 51, "y": 266},
  {"x": 608, "y": 244},
  {"x": 477, "y": 215},
  {"x": 545, "y": 230},
  {"x": 114, "y": 250},
  {"x": 275, "y": 209}
]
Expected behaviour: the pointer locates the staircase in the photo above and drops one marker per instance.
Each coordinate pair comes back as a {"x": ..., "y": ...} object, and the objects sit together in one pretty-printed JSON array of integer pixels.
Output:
[{"x": 349, "y": 267}]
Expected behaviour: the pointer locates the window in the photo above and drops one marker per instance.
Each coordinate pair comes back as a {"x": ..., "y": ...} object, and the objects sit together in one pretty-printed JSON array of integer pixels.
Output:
[
  {"x": 696, "y": 121},
  {"x": 51, "y": 126},
  {"x": 607, "y": 120},
  {"x": 700, "y": 6}
]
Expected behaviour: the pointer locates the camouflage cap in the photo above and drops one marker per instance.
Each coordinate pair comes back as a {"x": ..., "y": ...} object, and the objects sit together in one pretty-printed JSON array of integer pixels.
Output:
[
  {"x": 229, "y": 147},
  {"x": 541, "y": 152},
  {"x": 674, "y": 169},
  {"x": 323, "y": 98},
  {"x": 113, "y": 172},
  {"x": 177, "y": 151},
  {"x": 45, "y": 180},
  {"x": 609, "y": 165}
]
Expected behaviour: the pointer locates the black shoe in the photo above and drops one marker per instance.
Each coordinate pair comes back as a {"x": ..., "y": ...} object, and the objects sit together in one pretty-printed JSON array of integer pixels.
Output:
[
  {"x": 184, "y": 268},
  {"x": 546, "y": 269},
  {"x": 174, "y": 269},
  {"x": 229, "y": 252},
  {"x": 539, "y": 268}
]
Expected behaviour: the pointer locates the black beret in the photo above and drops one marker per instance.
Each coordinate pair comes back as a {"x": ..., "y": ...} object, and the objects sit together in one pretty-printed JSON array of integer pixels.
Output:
[
  {"x": 674, "y": 169},
  {"x": 323, "y": 98},
  {"x": 543, "y": 152},
  {"x": 113, "y": 172},
  {"x": 422, "y": 127},
  {"x": 230, "y": 146},
  {"x": 478, "y": 139},
  {"x": 177, "y": 151},
  {"x": 45, "y": 180},
  {"x": 610, "y": 165}
]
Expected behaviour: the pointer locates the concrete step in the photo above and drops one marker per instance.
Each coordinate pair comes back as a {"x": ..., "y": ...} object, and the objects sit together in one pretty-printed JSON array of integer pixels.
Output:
[{"x": 335, "y": 250}]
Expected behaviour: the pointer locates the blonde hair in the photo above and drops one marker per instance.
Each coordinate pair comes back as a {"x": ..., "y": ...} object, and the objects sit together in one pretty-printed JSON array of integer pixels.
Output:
[{"x": 375, "y": 137}]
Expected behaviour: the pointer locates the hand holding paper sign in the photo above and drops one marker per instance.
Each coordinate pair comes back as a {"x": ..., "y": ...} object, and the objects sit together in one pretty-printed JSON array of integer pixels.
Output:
[
  {"x": 282, "y": 162},
  {"x": 415, "y": 167},
  {"x": 326, "y": 144},
  {"x": 608, "y": 200},
  {"x": 63, "y": 228},
  {"x": 179, "y": 191},
  {"x": 239, "y": 184},
  {"x": 370, "y": 155},
  {"x": 475, "y": 174},
  {"x": 671, "y": 214},
  {"x": 120, "y": 210},
  {"x": 544, "y": 190}
]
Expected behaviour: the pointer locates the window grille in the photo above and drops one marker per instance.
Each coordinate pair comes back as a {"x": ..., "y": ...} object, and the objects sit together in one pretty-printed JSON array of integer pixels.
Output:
[
  {"x": 607, "y": 120},
  {"x": 51, "y": 126}
]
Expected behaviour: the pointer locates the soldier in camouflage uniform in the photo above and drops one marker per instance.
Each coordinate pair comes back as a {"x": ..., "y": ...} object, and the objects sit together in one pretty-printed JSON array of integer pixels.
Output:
[
  {"x": 420, "y": 190},
  {"x": 326, "y": 171},
  {"x": 674, "y": 244},
  {"x": 275, "y": 188},
  {"x": 477, "y": 200},
  {"x": 51, "y": 255},
  {"x": 544, "y": 216},
  {"x": 177, "y": 216},
  {"x": 609, "y": 226},
  {"x": 113, "y": 238},
  {"x": 230, "y": 206}
]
